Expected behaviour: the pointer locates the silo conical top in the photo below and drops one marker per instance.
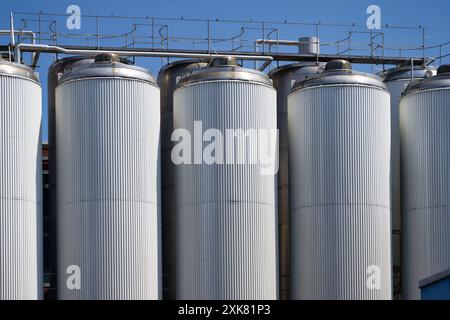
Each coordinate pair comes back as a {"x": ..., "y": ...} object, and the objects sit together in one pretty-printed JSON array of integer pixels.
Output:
[
  {"x": 224, "y": 68},
  {"x": 339, "y": 72},
  {"x": 107, "y": 65},
  {"x": 441, "y": 80},
  {"x": 17, "y": 69}
]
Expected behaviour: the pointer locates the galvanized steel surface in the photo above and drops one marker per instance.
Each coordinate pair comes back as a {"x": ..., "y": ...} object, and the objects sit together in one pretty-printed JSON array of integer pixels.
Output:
[
  {"x": 108, "y": 171},
  {"x": 20, "y": 185},
  {"x": 224, "y": 72},
  {"x": 284, "y": 78},
  {"x": 168, "y": 78},
  {"x": 340, "y": 72},
  {"x": 225, "y": 215},
  {"x": 107, "y": 69},
  {"x": 425, "y": 145},
  {"x": 339, "y": 155}
]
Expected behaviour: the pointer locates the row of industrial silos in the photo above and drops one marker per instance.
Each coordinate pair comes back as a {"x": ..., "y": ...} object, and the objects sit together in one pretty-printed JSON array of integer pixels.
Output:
[
  {"x": 104, "y": 121},
  {"x": 418, "y": 182},
  {"x": 338, "y": 126},
  {"x": 104, "y": 132},
  {"x": 222, "y": 222}
]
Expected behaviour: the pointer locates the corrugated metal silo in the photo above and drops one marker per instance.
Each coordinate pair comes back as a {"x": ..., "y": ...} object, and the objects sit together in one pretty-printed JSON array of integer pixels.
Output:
[
  {"x": 425, "y": 174},
  {"x": 284, "y": 78},
  {"x": 108, "y": 173},
  {"x": 396, "y": 81},
  {"x": 339, "y": 153},
  {"x": 55, "y": 71},
  {"x": 168, "y": 78},
  {"x": 20, "y": 183},
  {"x": 225, "y": 214}
]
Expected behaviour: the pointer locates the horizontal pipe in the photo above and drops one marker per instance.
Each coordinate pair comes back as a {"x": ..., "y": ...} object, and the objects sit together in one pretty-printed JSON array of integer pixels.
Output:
[
  {"x": 137, "y": 53},
  {"x": 27, "y": 32},
  {"x": 283, "y": 42},
  {"x": 278, "y": 42},
  {"x": 190, "y": 53}
]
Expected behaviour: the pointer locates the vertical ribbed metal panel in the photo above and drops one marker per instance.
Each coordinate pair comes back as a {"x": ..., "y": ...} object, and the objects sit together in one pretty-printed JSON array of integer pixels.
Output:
[
  {"x": 425, "y": 165},
  {"x": 226, "y": 225},
  {"x": 396, "y": 88},
  {"x": 20, "y": 189},
  {"x": 339, "y": 154},
  {"x": 108, "y": 171}
]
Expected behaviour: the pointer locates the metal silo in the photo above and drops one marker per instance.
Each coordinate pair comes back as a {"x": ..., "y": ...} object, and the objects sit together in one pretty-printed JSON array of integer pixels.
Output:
[
  {"x": 108, "y": 173},
  {"x": 20, "y": 183},
  {"x": 55, "y": 71},
  {"x": 284, "y": 78},
  {"x": 425, "y": 173},
  {"x": 339, "y": 153},
  {"x": 225, "y": 210},
  {"x": 396, "y": 81},
  {"x": 168, "y": 78}
]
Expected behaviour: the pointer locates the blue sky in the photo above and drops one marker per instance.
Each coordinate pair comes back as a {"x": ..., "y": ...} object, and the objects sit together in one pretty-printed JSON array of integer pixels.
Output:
[{"x": 433, "y": 14}]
